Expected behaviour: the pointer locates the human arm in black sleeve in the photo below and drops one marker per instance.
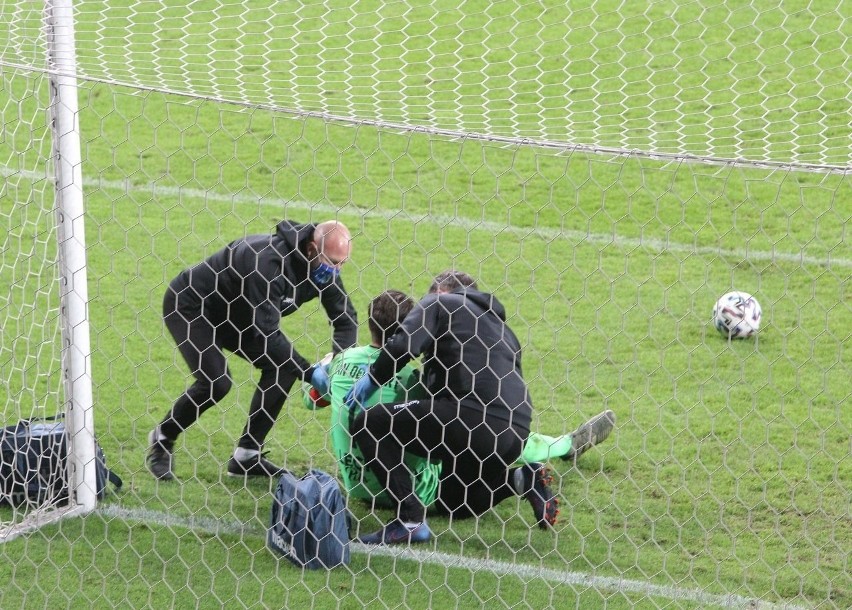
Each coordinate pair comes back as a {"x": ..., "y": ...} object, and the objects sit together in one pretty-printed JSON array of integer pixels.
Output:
[
  {"x": 416, "y": 333},
  {"x": 278, "y": 346},
  {"x": 341, "y": 315}
]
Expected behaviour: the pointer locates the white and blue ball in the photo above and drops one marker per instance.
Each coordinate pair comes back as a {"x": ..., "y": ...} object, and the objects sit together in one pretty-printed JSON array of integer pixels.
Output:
[{"x": 736, "y": 315}]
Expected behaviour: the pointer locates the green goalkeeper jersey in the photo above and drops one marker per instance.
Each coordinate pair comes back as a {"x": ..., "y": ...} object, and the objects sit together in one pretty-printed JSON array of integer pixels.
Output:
[{"x": 360, "y": 482}]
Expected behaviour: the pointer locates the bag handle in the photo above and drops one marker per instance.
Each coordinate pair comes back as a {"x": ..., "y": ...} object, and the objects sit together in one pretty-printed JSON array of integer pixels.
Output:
[{"x": 114, "y": 479}]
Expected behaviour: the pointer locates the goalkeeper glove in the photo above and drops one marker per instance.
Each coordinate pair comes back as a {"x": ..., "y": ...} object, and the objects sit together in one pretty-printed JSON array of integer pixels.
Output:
[
  {"x": 319, "y": 379},
  {"x": 360, "y": 392}
]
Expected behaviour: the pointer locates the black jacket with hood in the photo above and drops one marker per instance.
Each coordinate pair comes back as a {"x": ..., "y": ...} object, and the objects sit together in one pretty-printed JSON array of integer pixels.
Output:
[
  {"x": 469, "y": 355},
  {"x": 255, "y": 281}
]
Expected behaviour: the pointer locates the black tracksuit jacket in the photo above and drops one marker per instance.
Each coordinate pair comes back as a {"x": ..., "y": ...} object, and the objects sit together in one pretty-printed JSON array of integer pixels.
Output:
[
  {"x": 255, "y": 281},
  {"x": 469, "y": 355}
]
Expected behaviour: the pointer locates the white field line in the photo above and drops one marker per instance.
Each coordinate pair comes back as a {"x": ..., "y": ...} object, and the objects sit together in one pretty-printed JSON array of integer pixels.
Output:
[
  {"x": 647, "y": 244},
  {"x": 525, "y": 572}
]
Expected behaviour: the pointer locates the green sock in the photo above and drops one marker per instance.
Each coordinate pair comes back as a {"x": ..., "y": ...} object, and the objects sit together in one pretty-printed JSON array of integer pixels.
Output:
[{"x": 541, "y": 448}]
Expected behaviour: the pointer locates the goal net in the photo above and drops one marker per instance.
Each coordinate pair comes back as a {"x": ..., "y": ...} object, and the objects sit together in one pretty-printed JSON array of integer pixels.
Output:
[{"x": 606, "y": 169}]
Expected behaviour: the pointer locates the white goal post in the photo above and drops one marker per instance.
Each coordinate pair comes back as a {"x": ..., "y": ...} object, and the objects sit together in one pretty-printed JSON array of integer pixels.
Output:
[
  {"x": 71, "y": 235},
  {"x": 72, "y": 277}
]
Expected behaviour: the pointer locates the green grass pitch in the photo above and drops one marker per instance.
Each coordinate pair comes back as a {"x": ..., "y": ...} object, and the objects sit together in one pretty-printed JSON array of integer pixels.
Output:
[{"x": 728, "y": 476}]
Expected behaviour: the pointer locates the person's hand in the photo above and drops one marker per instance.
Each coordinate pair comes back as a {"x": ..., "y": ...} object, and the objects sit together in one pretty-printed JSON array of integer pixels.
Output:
[
  {"x": 360, "y": 392},
  {"x": 319, "y": 378}
]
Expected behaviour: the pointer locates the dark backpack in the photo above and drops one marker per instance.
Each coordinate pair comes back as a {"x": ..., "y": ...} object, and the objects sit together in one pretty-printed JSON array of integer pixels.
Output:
[
  {"x": 310, "y": 522},
  {"x": 33, "y": 466}
]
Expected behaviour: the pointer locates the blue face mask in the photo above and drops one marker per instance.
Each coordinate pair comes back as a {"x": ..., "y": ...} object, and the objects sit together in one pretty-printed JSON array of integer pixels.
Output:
[{"x": 324, "y": 274}]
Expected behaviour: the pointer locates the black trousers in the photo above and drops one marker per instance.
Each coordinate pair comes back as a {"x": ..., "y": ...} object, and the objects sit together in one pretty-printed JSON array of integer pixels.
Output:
[
  {"x": 202, "y": 343},
  {"x": 477, "y": 453}
]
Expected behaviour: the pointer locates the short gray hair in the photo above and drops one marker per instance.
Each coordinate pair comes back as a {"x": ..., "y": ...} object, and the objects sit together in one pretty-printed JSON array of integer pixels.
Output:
[{"x": 449, "y": 281}]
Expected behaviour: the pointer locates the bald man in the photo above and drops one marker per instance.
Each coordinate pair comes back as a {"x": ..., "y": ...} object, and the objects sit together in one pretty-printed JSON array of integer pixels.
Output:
[{"x": 234, "y": 301}]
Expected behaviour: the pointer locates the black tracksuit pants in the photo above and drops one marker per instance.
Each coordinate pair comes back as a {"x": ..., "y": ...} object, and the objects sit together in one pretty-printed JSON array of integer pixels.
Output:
[
  {"x": 477, "y": 453},
  {"x": 201, "y": 343}
]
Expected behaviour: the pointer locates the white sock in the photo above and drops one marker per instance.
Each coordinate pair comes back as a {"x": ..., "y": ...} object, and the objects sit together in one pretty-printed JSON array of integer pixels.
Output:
[
  {"x": 158, "y": 436},
  {"x": 241, "y": 454}
]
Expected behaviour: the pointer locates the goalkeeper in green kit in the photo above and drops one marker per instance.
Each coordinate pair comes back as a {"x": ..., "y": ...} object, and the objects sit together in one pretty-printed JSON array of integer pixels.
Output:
[{"x": 385, "y": 313}]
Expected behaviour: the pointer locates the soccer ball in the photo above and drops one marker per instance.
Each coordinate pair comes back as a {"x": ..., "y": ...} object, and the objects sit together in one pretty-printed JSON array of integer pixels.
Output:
[{"x": 737, "y": 315}]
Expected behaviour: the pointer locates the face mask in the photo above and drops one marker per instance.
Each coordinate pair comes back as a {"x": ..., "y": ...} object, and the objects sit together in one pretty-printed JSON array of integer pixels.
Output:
[{"x": 324, "y": 274}]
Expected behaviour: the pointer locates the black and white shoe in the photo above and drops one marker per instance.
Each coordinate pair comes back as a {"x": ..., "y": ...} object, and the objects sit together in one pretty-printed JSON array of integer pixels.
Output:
[
  {"x": 594, "y": 431},
  {"x": 398, "y": 532},
  {"x": 160, "y": 458},
  {"x": 255, "y": 466}
]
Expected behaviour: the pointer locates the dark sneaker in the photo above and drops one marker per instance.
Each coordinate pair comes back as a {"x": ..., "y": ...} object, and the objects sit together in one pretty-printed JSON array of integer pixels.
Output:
[
  {"x": 544, "y": 502},
  {"x": 594, "y": 431},
  {"x": 257, "y": 466},
  {"x": 396, "y": 532},
  {"x": 160, "y": 458}
]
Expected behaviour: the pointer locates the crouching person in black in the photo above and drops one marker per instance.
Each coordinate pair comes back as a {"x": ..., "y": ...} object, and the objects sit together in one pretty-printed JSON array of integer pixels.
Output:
[
  {"x": 234, "y": 301},
  {"x": 476, "y": 419}
]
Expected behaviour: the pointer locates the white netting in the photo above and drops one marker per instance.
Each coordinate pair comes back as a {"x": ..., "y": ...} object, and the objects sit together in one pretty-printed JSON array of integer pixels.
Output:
[
  {"x": 762, "y": 81},
  {"x": 29, "y": 309},
  {"x": 537, "y": 146}
]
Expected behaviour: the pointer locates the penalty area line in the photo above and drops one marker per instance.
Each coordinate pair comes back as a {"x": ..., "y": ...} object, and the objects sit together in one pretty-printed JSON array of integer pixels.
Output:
[
  {"x": 525, "y": 572},
  {"x": 649, "y": 244}
]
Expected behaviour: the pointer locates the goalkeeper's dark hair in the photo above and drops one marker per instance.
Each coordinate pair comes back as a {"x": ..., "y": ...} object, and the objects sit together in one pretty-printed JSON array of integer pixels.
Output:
[
  {"x": 386, "y": 312},
  {"x": 450, "y": 281}
]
